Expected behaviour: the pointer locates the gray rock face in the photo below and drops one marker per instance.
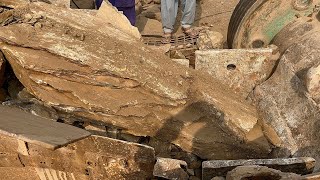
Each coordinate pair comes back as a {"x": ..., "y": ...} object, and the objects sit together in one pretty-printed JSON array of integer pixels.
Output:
[{"x": 290, "y": 116}]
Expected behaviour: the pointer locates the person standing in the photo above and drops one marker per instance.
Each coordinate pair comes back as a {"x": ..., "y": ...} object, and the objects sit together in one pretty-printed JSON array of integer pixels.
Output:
[
  {"x": 169, "y": 11},
  {"x": 126, "y": 6}
]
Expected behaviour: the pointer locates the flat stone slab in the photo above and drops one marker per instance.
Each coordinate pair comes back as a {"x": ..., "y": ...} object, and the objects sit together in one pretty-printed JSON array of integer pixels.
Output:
[
  {"x": 32, "y": 173},
  {"x": 240, "y": 69},
  {"x": 301, "y": 165},
  {"x": 33, "y": 129}
]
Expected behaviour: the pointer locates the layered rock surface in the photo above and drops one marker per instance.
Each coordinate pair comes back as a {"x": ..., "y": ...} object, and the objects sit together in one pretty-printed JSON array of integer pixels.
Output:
[
  {"x": 79, "y": 64},
  {"x": 288, "y": 103},
  {"x": 91, "y": 158}
]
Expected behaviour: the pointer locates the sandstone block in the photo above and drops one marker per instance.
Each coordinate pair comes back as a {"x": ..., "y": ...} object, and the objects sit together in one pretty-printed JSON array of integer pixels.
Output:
[{"x": 240, "y": 69}]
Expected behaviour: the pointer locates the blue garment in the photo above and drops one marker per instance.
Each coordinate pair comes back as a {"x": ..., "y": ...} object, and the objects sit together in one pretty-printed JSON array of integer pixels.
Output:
[{"x": 126, "y": 6}]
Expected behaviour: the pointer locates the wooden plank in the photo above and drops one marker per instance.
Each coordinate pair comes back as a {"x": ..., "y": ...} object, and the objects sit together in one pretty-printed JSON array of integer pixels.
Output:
[{"x": 33, "y": 129}]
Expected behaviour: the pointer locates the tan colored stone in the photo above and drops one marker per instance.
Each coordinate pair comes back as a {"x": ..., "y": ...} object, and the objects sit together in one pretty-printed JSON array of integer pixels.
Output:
[
  {"x": 285, "y": 105},
  {"x": 91, "y": 158},
  {"x": 13, "y": 4},
  {"x": 313, "y": 82},
  {"x": 170, "y": 169},
  {"x": 259, "y": 172},
  {"x": 184, "y": 62},
  {"x": 240, "y": 69},
  {"x": 110, "y": 15},
  {"x": 210, "y": 40},
  {"x": 111, "y": 77}
]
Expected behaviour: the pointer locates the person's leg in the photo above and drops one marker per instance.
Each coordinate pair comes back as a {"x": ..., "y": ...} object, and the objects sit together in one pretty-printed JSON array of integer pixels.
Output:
[
  {"x": 189, "y": 13},
  {"x": 130, "y": 13},
  {"x": 169, "y": 10}
]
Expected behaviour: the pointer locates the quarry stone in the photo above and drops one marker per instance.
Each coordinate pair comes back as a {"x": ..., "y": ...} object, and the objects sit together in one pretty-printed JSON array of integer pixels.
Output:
[
  {"x": 100, "y": 73},
  {"x": 170, "y": 169},
  {"x": 289, "y": 115},
  {"x": 241, "y": 69}
]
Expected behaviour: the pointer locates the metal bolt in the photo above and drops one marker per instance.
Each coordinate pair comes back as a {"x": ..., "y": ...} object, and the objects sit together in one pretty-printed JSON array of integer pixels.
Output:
[{"x": 301, "y": 5}]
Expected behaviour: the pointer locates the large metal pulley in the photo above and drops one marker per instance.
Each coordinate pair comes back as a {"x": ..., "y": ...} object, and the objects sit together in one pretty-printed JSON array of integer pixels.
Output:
[{"x": 255, "y": 23}]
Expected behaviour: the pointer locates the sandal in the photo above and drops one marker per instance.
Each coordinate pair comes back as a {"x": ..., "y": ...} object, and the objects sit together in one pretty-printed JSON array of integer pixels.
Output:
[
  {"x": 166, "y": 38},
  {"x": 190, "y": 32}
]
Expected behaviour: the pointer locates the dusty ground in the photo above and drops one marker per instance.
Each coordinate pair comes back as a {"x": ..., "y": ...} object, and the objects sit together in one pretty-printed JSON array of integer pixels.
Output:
[{"x": 212, "y": 13}]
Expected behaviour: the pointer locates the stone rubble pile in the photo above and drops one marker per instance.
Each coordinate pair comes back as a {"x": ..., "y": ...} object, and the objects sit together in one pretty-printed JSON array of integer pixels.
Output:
[{"x": 150, "y": 116}]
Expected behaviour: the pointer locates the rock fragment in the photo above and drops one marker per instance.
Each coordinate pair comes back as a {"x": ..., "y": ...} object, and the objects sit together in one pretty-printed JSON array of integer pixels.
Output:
[
  {"x": 210, "y": 40},
  {"x": 259, "y": 172},
  {"x": 170, "y": 169},
  {"x": 303, "y": 165},
  {"x": 108, "y": 14}
]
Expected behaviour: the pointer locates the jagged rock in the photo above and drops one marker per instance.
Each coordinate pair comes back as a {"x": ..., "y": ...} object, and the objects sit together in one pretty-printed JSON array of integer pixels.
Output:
[
  {"x": 259, "y": 172},
  {"x": 290, "y": 117},
  {"x": 111, "y": 15},
  {"x": 82, "y": 66},
  {"x": 210, "y": 40},
  {"x": 170, "y": 169}
]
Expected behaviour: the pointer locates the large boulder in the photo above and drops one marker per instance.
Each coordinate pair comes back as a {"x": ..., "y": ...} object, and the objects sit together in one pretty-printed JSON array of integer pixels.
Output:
[
  {"x": 93, "y": 70},
  {"x": 290, "y": 114}
]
